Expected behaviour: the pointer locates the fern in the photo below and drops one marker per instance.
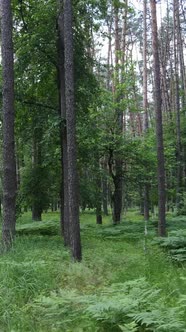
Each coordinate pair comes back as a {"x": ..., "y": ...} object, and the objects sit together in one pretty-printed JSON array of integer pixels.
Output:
[
  {"x": 161, "y": 319},
  {"x": 119, "y": 307},
  {"x": 175, "y": 244}
]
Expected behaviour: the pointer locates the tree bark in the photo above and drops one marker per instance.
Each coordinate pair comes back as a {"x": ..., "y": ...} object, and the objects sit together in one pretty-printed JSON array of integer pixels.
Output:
[
  {"x": 117, "y": 196},
  {"x": 145, "y": 100},
  {"x": 98, "y": 197},
  {"x": 63, "y": 132},
  {"x": 73, "y": 186},
  {"x": 36, "y": 162},
  {"x": 177, "y": 104},
  {"x": 9, "y": 162},
  {"x": 159, "y": 126}
]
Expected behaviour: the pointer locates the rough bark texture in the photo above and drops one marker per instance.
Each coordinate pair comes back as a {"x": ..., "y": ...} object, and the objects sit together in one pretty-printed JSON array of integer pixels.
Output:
[
  {"x": 145, "y": 99},
  {"x": 159, "y": 127},
  {"x": 63, "y": 132},
  {"x": 177, "y": 103},
  {"x": 117, "y": 196},
  {"x": 9, "y": 163},
  {"x": 73, "y": 187}
]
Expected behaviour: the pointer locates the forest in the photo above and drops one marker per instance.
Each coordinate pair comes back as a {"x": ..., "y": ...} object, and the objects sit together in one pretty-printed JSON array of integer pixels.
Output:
[{"x": 93, "y": 166}]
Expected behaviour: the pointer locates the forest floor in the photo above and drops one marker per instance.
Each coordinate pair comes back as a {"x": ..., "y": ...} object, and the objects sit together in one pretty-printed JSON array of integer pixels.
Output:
[{"x": 126, "y": 281}]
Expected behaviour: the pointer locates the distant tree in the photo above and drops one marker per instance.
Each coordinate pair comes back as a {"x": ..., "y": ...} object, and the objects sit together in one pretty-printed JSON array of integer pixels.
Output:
[{"x": 9, "y": 163}]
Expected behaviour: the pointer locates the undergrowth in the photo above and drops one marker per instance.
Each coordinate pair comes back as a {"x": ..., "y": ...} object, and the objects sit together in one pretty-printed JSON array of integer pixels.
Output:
[{"x": 119, "y": 286}]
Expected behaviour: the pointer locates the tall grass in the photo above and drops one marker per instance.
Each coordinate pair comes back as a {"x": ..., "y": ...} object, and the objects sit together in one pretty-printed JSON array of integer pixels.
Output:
[{"x": 42, "y": 290}]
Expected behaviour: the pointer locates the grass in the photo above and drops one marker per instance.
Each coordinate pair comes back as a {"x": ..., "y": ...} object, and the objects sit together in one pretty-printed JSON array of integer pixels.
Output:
[{"x": 39, "y": 267}]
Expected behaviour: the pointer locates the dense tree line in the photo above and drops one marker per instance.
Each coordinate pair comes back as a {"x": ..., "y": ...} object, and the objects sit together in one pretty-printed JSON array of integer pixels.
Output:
[{"x": 99, "y": 98}]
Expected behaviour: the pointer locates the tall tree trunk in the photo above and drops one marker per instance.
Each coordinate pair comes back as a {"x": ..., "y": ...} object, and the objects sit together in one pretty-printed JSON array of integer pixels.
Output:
[
  {"x": 145, "y": 100},
  {"x": 117, "y": 196},
  {"x": 9, "y": 162},
  {"x": 73, "y": 187},
  {"x": 159, "y": 127},
  {"x": 63, "y": 132},
  {"x": 177, "y": 104}
]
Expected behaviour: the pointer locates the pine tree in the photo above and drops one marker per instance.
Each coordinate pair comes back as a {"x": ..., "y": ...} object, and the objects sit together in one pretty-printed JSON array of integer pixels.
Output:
[{"x": 9, "y": 163}]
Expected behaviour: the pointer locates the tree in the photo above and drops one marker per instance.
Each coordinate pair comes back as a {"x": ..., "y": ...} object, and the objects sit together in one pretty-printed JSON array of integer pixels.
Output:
[
  {"x": 73, "y": 194},
  {"x": 145, "y": 99},
  {"x": 9, "y": 164},
  {"x": 63, "y": 132},
  {"x": 159, "y": 126}
]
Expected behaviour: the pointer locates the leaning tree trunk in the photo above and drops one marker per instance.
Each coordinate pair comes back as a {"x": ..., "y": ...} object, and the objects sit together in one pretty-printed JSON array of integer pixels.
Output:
[
  {"x": 73, "y": 187},
  {"x": 9, "y": 163},
  {"x": 159, "y": 126}
]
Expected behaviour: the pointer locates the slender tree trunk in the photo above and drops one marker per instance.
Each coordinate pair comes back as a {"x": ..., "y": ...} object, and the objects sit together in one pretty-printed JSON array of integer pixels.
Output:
[
  {"x": 105, "y": 188},
  {"x": 145, "y": 100},
  {"x": 105, "y": 196},
  {"x": 159, "y": 127},
  {"x": 181, "y": 58},
  {"x": 99, "y": 199},
  {"x": 63, "y": 132},
  {"x": 36, "y": 162},
  {"x": 9, "y": 162},
  {"x": 117, "y": 196},
  {"x": 177, "y": 105},
  {"x": 73, "y": 187}
]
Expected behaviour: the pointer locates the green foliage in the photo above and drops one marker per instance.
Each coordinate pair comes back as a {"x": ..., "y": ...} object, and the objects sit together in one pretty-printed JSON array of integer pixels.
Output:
[
  {"x": 118, "y": 287},
  {"x": 175, "y": 242},
  {"x": 41, "y": 228},
  {"x": 116, "y": 308},
  {"x": 35, "y": 187}
]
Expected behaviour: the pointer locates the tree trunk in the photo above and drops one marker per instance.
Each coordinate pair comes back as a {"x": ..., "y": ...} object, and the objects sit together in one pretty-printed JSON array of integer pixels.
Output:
[
  {"x": 63, "y": 132},
  {"x": 37, "y": 208},
  {"x": 98, "y": 198},
  {"x": 177, "y": 105},
  {"x": 117, "y": 196},
  {"x": 36, "y": 213},
  {"x": 73, "y": 186},
  {"x": 159, "y": 127},
  {"x": 145, "y": 100},
  {"x": 105, "y": 189},
  {"x": 105, "y": 196},
  {"x": 9, "y": 163}
]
